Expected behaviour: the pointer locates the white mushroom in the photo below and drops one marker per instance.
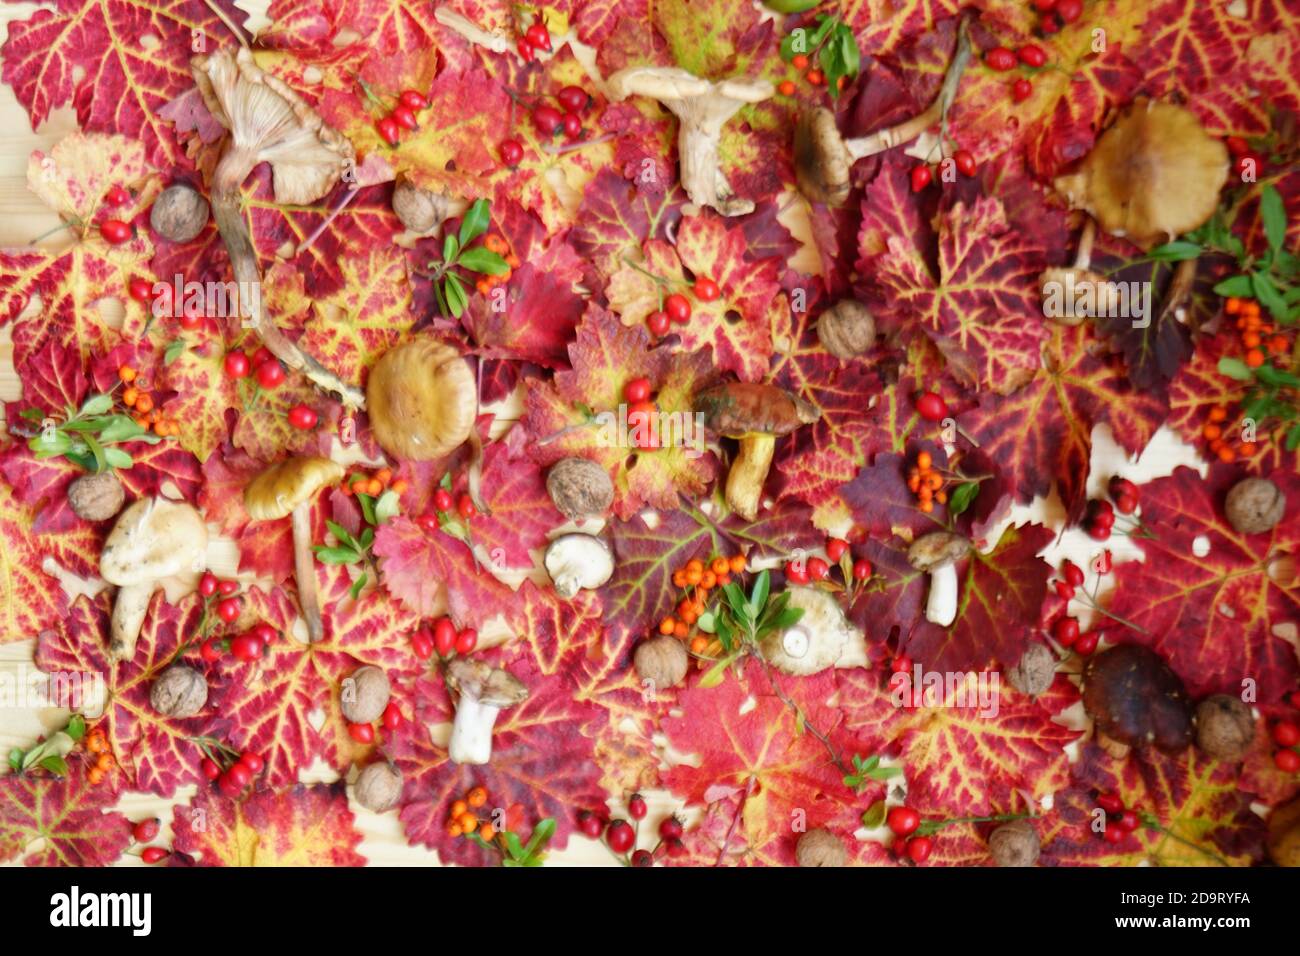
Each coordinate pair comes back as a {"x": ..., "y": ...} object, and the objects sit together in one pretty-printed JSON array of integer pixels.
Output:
[
  {"x": 816, "y": 641},
  {"x": 484, "y": 691},
  {"x": 937, "y": 554},
  {"x": 703, "y": 108},
  {"x": 153, "y": 539},
  {"x": 578, "y": 561}
]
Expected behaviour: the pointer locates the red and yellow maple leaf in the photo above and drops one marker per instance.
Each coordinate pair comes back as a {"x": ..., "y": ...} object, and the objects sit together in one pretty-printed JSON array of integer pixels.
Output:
[
  {"x": 31, "y": 598},
  {"x": 616, "y": 218},
  {"x": 72, "y": 819}
]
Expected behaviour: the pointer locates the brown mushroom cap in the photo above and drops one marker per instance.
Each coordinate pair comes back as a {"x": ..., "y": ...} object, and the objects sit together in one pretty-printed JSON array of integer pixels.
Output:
[
  {"x": 821, "y": 160},
  {"x": 483, "y": 682},
  {"x": 1137, "y": 699},
  {"x": 744, "y": 408},
  {"x": 422, "y": 399},
  {"x": 282, "y": 487},
  {"x": 938, "y": 547},
  {"x": 1153, "y": 175}
]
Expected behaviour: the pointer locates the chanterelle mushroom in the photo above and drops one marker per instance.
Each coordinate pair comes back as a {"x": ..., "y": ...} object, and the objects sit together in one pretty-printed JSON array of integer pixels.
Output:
[
  {"x": 756, "y": 414},
  {"x": 287, "y": 489},
  {"x": 484, "y": 691},
  {"x": 816, "y": 641},
  {"x": 268, "y": 123},
  {"x": 937, "y": 554},
  {"x": 1136, "y": 699},
  {"x": 578, "y": 561},
  {"x": 702, "y": 107},
  {"x": 152, "y": 539}
]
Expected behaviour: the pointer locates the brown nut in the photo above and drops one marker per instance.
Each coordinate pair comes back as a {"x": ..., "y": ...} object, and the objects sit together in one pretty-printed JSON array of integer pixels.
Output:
[
  {"x": 662, "y": 660},
  {"x": 379, "y": 787},
  {"x": 1225, "y": 727},
  {"x": 580, "y": 488},
  {"x": 1015, "y": 844},
  {"x": 1035, "y": 671},
  {"x": 846, "y": 329},
  {"x": 419, "y": 209},
  {"x": 179, "y": 214},
  {"x": 820, "y": 848},
  {"x": 96, "y": 497},
  {"x": 179, "y": 691},
  {"x": 364, "y": 695},
  {"x": 1254, "y": 505}
]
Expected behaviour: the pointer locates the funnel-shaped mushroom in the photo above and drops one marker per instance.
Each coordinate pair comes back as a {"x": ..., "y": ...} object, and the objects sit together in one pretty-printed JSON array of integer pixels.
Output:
[
  {"x": 153, "y": 539},
  {"x": 937, "y": 553},
  {"x": 268, "y": 123},
  {"x": 287, "y": 489},
  {"x": 702, "y": 108},
  {"x": 483, "y": 691},
  {"x": 756, "y": 414},
  {"x": 422, "y": 399},
  {"x": 817, "y": 640}
]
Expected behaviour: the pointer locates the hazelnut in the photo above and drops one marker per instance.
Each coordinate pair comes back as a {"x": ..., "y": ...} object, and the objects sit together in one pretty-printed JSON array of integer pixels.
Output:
[
  {"x": 364, "y": 695},
  {"x": 1035, "y": 672},
  {"x": 419, "y": 210},
  {"x": 96, "y": 497},
  {"x": 1255, "y": 505},
  {"x": 179, "y": 691},
  {"x": 179, "y": 214},
  {"x": 379, "y": 787},
  {"x": 1014, "y": 844},
  {"x": 662, "y": 660},
  {"x": 846, "y": 329},
  {"x": 820, "y": 848},
  {"x": 1225, "y": 727},
  {"x": 580, "y": 488}
]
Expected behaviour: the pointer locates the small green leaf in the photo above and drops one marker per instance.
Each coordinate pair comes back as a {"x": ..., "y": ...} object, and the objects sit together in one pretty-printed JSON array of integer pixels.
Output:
[
  {"x": 1238, "y": 286},
  {"x": 475, "y": 222},
  {"x": 706, "y": 622},
  {"x": 1235, "y": 368},
  {"x": 874, "y": 815},
  {"x": 962, "y": 497},
  {"x": 1273, "y": 212},
  {"x": 55, "y": 765},
  {"x": 514, "y": 847},
  {"x": 758, "y": 593},
  {"x": 120, "y": 428},
  {"x": 387, "y": 506},
  {"x": 483, "y": 260},
  {"x": 367, "y": 505},
  {"x": 175, "y": 349},
  {"x": 449, "y": 249},
  {"x": 789, "y": 617},
  {"x": 1293, "y": 437},
  {"x": 96, "y": 404},
  {"x": 16, "y": 759},
  {"x": 343, "y": 534},
  {"x": 117, "y": 458},
  {"x": 1175, "y": 252},
  {"x": 542, "y": 834},
  {"x": 457, "y": 298},
  {"x": 714, "y": 675},
  {"x": 357, "y": 585},
  {"x": 328, "y": 555},
  {"x": 1268, "y": 295},
  {"x": 76, "y": 728},
  {"x": 96, "y": 449},
  {"x": 31, "y": 414}
]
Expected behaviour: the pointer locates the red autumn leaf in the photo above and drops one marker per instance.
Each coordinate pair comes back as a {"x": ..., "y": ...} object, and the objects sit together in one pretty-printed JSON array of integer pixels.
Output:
[
  {"x": 54, "y": 379},
  {"x": 616, "y": 217},
  {"x": 72, "y": 819},
  {"x": 300, "y": 826},
  {"x": 881, "y": 504},
  {"x": 35, "y": 600},
  {"x": 785, "y": 530},
  {"x": 531, "y": 317},
  {"x": 1214, "y": 602},
  {"x": 521, "y": 512}
]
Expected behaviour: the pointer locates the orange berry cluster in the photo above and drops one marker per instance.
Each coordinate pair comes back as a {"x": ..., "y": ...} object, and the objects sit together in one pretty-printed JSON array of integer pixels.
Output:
[
  {"x": 97, "y": 746},
  {"x": 463, "y": 821},
  {"x": 135, "y": 396},
  {"x": 814, "y": 76},
  {"x": 374, "y": 484},
  {"x": 1257, "y": 336},
  {"x": 495, "y": 243},
  {"x": 697, "y": 579},
  {"x": 1218, "y": 431},
  {"x": 926, "y": 483}
]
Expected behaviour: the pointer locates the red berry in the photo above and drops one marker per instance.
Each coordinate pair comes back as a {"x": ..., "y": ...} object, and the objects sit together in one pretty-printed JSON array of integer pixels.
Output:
[
  {"x": 115, "y": 231},
  {"x": 208, "y": 584},
  {"x": 428, "y": 523},
  {"x": 538, "y": 36},
  {"x": 1286, "y": 733},
  {"x": 620, "y": 836},
  {"x": 1072, "y": 573},
  {"x": 636, "y": 807},
  {"x": 1288, "y": 761},
  {"x": 932, "y": 407},
  {"x": 210, "y": 768},
  {"x": 1021, "y": 90},
  {"x": 154, "y": 854},
  {"x": 835, "y": 548},
  {"x": 270, "y": 374},
  {"x": 705, "y": 289},
  {"x": 526, "y": 50},
  {"x": 1044, "y": 5},
  {"x": 1064, "y": 590},
  {"x": 548, "y": 120},
  {"x": 210, "y": 651},
  {"x": 1000, "y": 58},
  {"x": 1104, "y": 519},
  {"x": 389, "y": 131},
  {"x": 919, "y": 848},
  {"x": 817, "y": 569},
  {"x": 1050, "y": 25},
  {"x": 571, "y": 124},
  {"x": 903, "y": 821},
  {"x": 920, "y": 176},
  {"x": 465, "y": 506},
  {"x": 1113, "y": 834},
  {"x": 302, "y": 417},
  {"x": 1087, "y": 643},
  {"x": 191, "y": 317},
  {"x": 900, "y": 664},
  {"x": 240, "y": 774},
  {"x": 392, "y": 718},
  {"x": 1126, "y": 504},
  {"x": 1098, "y": 533},
  {"x": 227, "y": 587},
  {"x": 145, "y": 830},
  {"x": 265, "y": 633},
  {"x": 1294, "y": 699},
  {"x": 676, "y": 848},
  {"x": 899, "y": 846},
  {"x": 643, "y": 858},
  {"x": 590, "y": 824},
  {"x": 362, "y": 733},
  {"x": 1128, "y": 821},
  {"x": 246, "y": 647},
  {"x": 1031, "y": 54},
  {"x": 670, "y": 828},
  {"x": 253, "y": 762},
  {"x": 796, "y": 573},
  {"x": 117, "y": 196},
  {"x": 637, "y": 390},
  {"x": 511, "y": 152},
  {"x": 1110, "y": 802},
  {"x": 861, "y": 569},
  {"x": 236, "y": 364},
  {"x": 229, "y": 786},
  {"x": 1069, "y": 10},
  {"x": 965, "y": 162},
  {"x": 414, "y": 100},
  {"x": 444, "y": 636},
  {"x": 678, "y": 308},
  {"x": 1237, "y": 146},
  {"x": 1066, "y": 630},
  {"x": 466, "y": 641},
  {"x": 573, "y": 98},
  {"x": 140, "y": 289},
  {"x": 442, "y": 500},
  {"x": 1118, "y": 487},
  {"x": 404, "y": 116},
  {"x": 1102, "y": 563},
  {"x": 422, "y": 644},
  {"x": 228, "y": 609},
  {"x": 657, "y": 322}
]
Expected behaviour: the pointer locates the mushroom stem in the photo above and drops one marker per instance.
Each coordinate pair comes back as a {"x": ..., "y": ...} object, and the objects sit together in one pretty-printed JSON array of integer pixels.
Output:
[
  {"x": 1179, "y": 291},
  {"x": 1083, "y": 258},
  {"x": 234, "y": 167},
  {"x": 748, "y": 472},
  {"x": 941, "y": 607},
  {"x": 304, "y": 569},
  {"x": 473, "y": 33},
  {"x": 471, "y": 730},
  {"x": 128, "y": 617}
]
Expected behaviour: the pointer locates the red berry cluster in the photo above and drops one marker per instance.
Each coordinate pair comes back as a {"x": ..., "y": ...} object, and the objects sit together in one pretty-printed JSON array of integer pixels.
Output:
[
  {"x": 1120, "y": 820},
  {"x": 677, "y": 308},
  {"x": 922, "y": 175},
  {"x": 444, "y": 502},
  {"x": 445, "y": 638},
  {"x": 1057, "y": 13},
  {"x": 813, "y": 75},
  {"x": 401, "y": 116},
  {"x": 534, "y": 39},
  {"x": 903, "y": 822},
  {"x": 639, "y": 395},
  {"x": 1099, "y": 520},
  {"x": 621, "y": 836},
  {"x": 263, "y": 366},
  {"x": 146, "y": 831},
  {"x": 805, "y": 571},
  {"x": 221, "y": 598},
  {"x": 234, "y": 779},
  {"x": 1286, "y": 734}
]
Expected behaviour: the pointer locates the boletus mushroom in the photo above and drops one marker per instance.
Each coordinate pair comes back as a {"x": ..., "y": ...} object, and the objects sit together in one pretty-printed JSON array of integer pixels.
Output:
[
  {"x": 268, "y": 123},
  {"x": 1136, "y": 699},
  {"x": 578, "y": 561},
  {"x": 1254, "y": 506},
  {"x": 757, "y": 415},
  {"x": 483, "y": 691},
  {"x": 152, "y": 539},
  {"x": 702, "y": 108},
  {"x": 816, "y": 641},
  {"x": 287, "y": 489},
  {"x": 937, "y": 554},
  {"x": 1074, "y": 293},
  {"x": 422, "y": 399}
]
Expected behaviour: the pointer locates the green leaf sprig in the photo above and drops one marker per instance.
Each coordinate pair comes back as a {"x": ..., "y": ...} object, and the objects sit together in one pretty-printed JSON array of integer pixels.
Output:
[
  {"x": 833, "y": 44},
  {"x": 87, "y": 436},
  {"x": 49, "y": 754},
  {"x": 449, "y": 287}
]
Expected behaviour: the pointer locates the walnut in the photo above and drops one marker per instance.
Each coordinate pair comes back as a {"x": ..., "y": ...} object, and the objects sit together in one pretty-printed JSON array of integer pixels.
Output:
[
  {"x": 846, "y": 329},
  {"x": 662, "y": 660},
  {"x": 96, "y": 497},
  {"x": 580, "y": 488},
  {"x": 379, "y": 787},
  {"x": 179, "y": 691},
  {"x": 1255, "y": 505},
  {"x": 1225, "y": 727},
  {"x": 364, "y": 695},
  {"x": 820, "y": 848},
  {"x": 179, "y": 214},
  {"x": 419, "y": 210},
  {"x": 1035, "y": 672},
  {"x": 1015, "y": 844}
]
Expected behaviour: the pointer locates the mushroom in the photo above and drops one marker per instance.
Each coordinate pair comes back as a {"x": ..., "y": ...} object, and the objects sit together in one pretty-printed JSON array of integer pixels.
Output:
[
  {"x": 702, "y": 108},
  {"x": 662, "y": 660},
  {"x": 483, "y": 691},
  {"x": 1284, "y": 834},
  {"x": 288, "y": 489},
  {"x": 1225, "y": 727},
  {"x": 1136, "y": 699},
  {"x": 823, "y": 159},
  {"x": 846, "y": 329},
  {"x": 268, "y": 123},
  {"x": 1035, "y": 671},
  {"x": 1015, "y": 844},
  {"x": 580, "y": 488},
  {"x": 937, "y": 554},
  {"x": 422, "y": 399},
  {"x": 179, "y": 213},
  {"x": 179, "y": 691},
  {"x": 364, "y": 695},
  {"x": 1074, "y": 293},
  {"x": 820, "y": 847},
  {"x": 153, "y": 539},
  {"x": 96, "y": 496},
  {"x": 577, "y": 561},
  {"x": 378, "y": 787},
  {"x": 816, "y": 641},
  {"x": 1254, "y": 505},
  {"x": 756, "y": 414}
]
